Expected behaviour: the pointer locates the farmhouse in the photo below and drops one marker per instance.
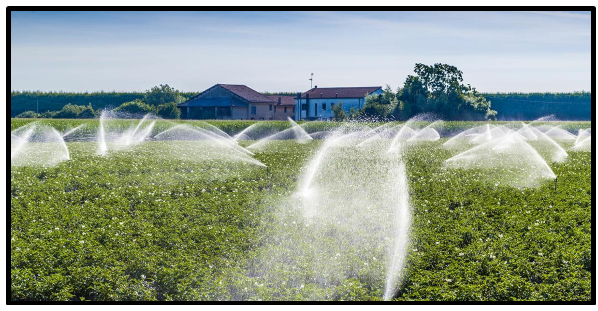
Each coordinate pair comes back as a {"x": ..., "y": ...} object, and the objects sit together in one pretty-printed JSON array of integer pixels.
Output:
[
  {"x": 229, "y": 101},
  {"x": 284, "y": 107},
  {"x": 317, "y": 103}
]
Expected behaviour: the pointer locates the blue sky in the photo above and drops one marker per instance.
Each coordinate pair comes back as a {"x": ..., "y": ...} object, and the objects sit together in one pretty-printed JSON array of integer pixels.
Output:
[{"x": 277, "y": 51}]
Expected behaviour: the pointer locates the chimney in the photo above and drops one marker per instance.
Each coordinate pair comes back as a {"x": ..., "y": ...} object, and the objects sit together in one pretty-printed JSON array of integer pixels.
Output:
[
  {"x": 321, "y": 95},
  {"x": 336, "y": 95},
  {"x": 316, "y": 87}
]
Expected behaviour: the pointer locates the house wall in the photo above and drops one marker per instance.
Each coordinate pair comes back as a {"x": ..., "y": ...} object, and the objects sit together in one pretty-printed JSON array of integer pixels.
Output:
[
  {"x": 240, "y": 113},
  {"x": 279, "y": 113},
  {"x": 262, "y": 111},
  {"x": 348, "y": 103}
]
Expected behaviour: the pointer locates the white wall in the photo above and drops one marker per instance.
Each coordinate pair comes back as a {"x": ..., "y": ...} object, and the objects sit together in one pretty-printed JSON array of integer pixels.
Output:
[{"x": 348, "y": 103}]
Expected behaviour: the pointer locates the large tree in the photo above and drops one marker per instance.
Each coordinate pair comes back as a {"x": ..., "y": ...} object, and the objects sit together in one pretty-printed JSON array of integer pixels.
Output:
[{"x": 439, "y": 89}]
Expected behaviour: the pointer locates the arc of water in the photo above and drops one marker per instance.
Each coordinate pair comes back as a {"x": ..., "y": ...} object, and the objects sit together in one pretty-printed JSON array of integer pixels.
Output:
[
  {"x": 69, "y": 132},
  {"x": 209, "y": 135},
  {"x": 581, "y": 135},
  {"x": 102, "y": 147},
  {"x": 128, "y": 137},
  {"x": 558, "y": 128},
  {"x": 247, "y": 129},
  {"x": 300, "y": 133},
  {"x": 64, "y": 146},
  {"x": 401, "y": 240},
  {"x": 419, "y": 133},
  {"x": 562, "y": 153},
  {"x": 22, "y": 140},
  {"x": 404, "y": 128}
]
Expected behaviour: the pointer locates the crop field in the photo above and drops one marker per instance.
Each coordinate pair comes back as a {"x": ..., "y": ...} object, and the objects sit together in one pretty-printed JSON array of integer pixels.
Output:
[{"x": 205, "y": 219}]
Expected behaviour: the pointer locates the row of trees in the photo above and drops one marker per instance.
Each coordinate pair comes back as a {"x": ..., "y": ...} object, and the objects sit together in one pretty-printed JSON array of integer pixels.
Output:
[
  {"x": 160, "y": 100},
  {"x": 437, "y": 89}
]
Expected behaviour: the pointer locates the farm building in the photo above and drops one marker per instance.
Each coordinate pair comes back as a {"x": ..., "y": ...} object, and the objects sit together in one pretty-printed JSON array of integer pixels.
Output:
[
  {"x": 284, "y": 107},
  {"x": 317, "y": 103},
  {"x": 229, "y": 101}
]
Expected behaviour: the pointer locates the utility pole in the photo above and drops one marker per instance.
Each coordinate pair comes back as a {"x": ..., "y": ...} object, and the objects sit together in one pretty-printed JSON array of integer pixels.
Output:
[{"x": 311, "y": 81}]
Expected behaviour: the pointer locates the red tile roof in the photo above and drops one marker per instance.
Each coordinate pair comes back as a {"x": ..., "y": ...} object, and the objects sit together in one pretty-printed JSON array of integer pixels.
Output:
[
  {"x": 340, "y": 92},
  {"x": 285, "y": 100},
  {"x": 246, "y": 93}
]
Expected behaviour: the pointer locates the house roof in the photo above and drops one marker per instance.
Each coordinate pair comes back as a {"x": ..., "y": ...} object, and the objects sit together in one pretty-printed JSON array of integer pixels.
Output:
[
  {"x": 340, "y": 92},
  {"x": 285, "y": 100},
  {"x": 246, "y": 93},
  {"x": 242, "y": 91}
]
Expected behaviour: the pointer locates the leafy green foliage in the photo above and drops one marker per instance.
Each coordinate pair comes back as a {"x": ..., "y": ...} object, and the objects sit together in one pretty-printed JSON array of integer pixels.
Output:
[
  {"x": 438, "y": 89},
  {"x": 135, "y": 108},
  {"x": 27, "y": 114},
  {"x": 168, "y": 111},
  {"x": 339, "y": 112},
  {"x": 379, "y": 106},
  {"x": 163, "y": 94},
  {"x": 74, "y": 111}
]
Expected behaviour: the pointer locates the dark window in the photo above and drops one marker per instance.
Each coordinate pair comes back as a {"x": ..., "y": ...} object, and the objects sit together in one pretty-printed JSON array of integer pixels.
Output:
[
  {"x": 223, "y": 111},
  {"x": 285, "y": 109},
  {"x": 303, "y": 107},
  {"x": 252, "y": 110},
  {"x": 270, "y": 107},
  {"x": 316, "y": 107},
  {"x": 293, "y": 109},
  {"x": 323, "y": 107}
]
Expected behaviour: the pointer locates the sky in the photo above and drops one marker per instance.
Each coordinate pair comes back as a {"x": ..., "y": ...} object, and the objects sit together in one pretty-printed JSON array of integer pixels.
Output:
[{"x": 277, "y": 51}]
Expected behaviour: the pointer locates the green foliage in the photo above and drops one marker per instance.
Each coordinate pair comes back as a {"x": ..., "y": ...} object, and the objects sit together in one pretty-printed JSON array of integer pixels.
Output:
[
  {"x": 339, "y": 112},
  {"x": 27, "y": 114},
  {"x": 163, "y": 94},
  {"x": 75, "y": 111},
  {"x": 135, "y": 108},
  {"x": 168, "y": 111},
  {"x": 21, "y": 101},
  {"x": 380, "y": 106},
  {"x": 438, "y": 89}
]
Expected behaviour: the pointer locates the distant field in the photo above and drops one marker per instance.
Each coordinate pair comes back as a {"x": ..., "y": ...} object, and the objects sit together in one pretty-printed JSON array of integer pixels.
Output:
[{"x": 146, "y": 223}]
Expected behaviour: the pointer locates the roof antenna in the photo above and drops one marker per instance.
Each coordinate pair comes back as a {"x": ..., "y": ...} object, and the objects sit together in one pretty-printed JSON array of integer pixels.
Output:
[{"x": 311, "y": 81}]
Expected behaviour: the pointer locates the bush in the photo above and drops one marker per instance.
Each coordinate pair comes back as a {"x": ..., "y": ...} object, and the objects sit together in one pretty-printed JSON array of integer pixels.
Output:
[
  {"x": 163, "y": 94},
  {"x": 27, "y": 114},
  {"x": 135, "y": 107},
  {"x": 75, "y": 111},
  {"x": 169, "y": 111}
]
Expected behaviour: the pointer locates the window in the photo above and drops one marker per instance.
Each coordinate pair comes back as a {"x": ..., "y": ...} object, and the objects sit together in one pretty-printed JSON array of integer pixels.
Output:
[
  {"x": 303, "y": 107},
  {"x": 316, "y": 107},
  {"x": 252, "y": 110},
  {"x": 285, "y": 109},
  {"x": 223, "y": 111},
  {"x": 323, "y": 107},
  {"x": 293, "y": 109},
  {"x": 270, "y": 107}
]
